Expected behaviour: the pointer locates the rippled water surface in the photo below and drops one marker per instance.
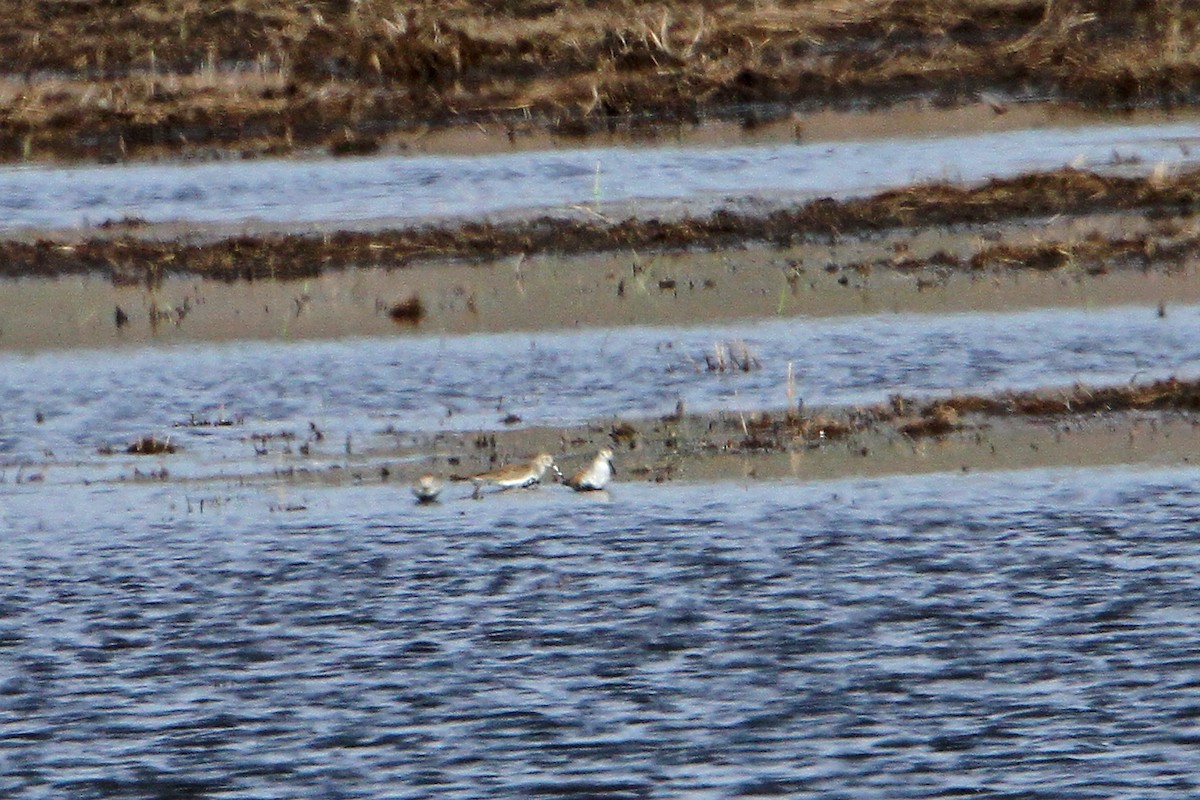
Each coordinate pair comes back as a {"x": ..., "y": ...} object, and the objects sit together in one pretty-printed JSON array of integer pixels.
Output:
[
  {"x": 364, "y": 387},
  {"x": 397, "y": 187},
  {"x": 1026, "y": 635}
]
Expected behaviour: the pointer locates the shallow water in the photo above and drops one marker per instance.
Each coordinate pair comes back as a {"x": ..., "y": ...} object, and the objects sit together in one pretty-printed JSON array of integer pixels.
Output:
[
  {"x": 405, "y": 188},
  {"x": 1027, "y": 635},
  {"x": 363, "y": 387}
]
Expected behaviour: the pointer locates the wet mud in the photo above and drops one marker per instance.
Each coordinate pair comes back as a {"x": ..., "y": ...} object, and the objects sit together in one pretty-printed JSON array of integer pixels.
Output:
[{"x": 84, "y": 81}]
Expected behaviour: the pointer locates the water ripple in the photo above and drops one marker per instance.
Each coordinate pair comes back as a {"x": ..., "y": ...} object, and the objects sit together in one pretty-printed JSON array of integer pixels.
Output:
[{"x": 1021, "y": 635}]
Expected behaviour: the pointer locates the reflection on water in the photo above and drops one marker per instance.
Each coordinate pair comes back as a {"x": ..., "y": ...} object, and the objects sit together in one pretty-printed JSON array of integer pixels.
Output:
[
  {"x": 1010, "y": 635},
  {"x": 396, "y": 187},
  {"x": 363, "y": 387}
]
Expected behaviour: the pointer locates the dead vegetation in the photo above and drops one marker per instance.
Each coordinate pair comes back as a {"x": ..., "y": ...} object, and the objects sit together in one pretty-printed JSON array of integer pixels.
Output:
[
  {"x": 127, "y": 77},
  {"x": 733, "y": 356},
  {"x": 131, "y": 258},
  {"x": 1169, "y": 394},
  {"x": 916, "y": 419},
  {"x": 1094, "y": 254},
  {"x": 151, "y": 446}
]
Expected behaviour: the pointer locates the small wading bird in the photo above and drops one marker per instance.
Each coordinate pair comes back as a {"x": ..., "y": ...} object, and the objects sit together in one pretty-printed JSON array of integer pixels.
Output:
[
  {"x": 515, "y": 475},
  {"x": 427, "y": 488},
  {"x": 596, "y": 475}
]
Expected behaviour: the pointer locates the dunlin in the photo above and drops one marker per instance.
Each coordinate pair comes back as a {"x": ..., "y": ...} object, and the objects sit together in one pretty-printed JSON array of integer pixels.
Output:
[
  {"x": 427, "y": 488},
  {"x": 515, "y": 475},
  {"x": 596, "y": 475}
]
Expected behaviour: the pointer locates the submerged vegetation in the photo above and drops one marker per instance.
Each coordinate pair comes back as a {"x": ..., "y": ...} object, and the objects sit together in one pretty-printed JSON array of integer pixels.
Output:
[{"x": 125, "y": 78}]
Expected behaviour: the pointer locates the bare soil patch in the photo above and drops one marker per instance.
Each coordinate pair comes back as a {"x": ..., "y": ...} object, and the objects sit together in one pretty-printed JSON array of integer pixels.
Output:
[{"x": 129, "y": 78}]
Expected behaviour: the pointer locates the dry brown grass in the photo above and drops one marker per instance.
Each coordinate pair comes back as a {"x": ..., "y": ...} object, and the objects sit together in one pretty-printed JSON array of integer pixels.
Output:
[{"x": 124, "y": 77}]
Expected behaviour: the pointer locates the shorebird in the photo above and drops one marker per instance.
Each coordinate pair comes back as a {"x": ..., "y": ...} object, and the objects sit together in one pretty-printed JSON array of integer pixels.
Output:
[
  {"x": 515, "y": 475},
  {"x": 427, "y": 488},
  {"x": 596, "y": 475}
]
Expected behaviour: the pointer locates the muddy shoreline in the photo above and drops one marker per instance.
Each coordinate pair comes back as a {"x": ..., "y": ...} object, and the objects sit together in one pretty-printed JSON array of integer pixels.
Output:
[
  {"x": 86, "y": 82},
  {"x": 1152, "y": 424}
]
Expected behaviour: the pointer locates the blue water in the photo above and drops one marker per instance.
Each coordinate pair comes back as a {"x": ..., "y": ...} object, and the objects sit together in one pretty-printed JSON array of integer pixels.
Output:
[
  {"x": 404, "y": 188},
  {"x": 1009, "y": 635}
]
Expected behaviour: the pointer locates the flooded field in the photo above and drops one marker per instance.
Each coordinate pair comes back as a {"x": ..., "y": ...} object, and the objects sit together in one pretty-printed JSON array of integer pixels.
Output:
[
  {"x": 843, "y": 555},
  {"x": 904, "y": 401},
  {"x": 1015, "y": 635}
]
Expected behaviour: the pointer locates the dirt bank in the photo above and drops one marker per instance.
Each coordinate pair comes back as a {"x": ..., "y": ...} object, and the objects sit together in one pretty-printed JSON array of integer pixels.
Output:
[{"x": 130, "y": 78}]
